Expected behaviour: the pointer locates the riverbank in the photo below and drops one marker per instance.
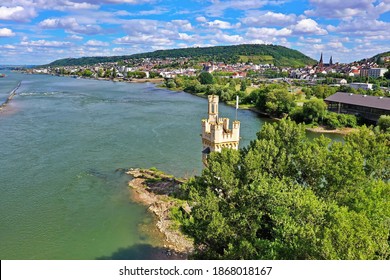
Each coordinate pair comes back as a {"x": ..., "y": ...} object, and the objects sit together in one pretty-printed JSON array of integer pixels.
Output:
[
  {"x": 157, "y": 191},
  {"x": 341, "y": 131}
]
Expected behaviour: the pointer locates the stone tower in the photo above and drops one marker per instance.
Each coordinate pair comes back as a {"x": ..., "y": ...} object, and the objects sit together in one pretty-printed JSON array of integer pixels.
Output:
[{"x": 216, "y": 133}]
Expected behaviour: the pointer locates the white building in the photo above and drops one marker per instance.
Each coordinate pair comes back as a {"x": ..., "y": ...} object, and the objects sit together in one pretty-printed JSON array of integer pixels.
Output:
[
  {"x": 376, "y": 72},
  {"x": 364, "y": 86}
]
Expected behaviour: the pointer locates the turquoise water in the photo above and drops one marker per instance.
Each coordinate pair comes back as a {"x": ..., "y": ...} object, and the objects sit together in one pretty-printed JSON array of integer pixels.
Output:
[{"x": 61, "y": 142}]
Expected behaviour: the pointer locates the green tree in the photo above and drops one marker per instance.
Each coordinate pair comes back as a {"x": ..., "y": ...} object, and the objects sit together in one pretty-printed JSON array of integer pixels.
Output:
[
  {"x": 206, "y": 78},
  {"x": 279, "y": 102},
  {"x": 384, "y": 123},
  {"x": 387, "y": 74},
  {"x": 314, "y": 110}
]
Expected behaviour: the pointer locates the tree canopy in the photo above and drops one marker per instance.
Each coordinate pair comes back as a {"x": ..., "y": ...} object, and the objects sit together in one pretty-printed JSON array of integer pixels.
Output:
[{"x": 287, "y": 197}]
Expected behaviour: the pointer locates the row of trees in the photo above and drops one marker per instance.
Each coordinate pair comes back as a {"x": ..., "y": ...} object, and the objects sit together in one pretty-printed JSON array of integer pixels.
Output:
[
  {"x": 276, "y": 100},
  {"x": 287, "y": 197}
]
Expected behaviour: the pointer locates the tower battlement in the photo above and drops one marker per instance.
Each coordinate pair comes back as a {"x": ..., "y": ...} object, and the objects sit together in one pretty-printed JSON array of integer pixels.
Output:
[{"x": 216, "y": 131}]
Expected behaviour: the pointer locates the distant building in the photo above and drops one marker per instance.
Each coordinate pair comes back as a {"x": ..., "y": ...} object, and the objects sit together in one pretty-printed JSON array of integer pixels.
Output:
[
  {"x": 376, "y": 72},
  {"x": 367, "y": 107},
  {"x": 216, "y": 133},
  {"x": 365, "y": 86},
  {"x": 364, "y": 72}
]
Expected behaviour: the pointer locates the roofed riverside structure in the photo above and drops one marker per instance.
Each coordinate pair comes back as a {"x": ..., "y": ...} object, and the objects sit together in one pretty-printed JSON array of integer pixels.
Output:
[{"x": 365, "y": 106}]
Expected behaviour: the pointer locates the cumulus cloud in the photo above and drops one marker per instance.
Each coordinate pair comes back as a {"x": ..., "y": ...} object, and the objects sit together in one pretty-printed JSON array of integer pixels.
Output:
[
  {"x": 219, "y": 24},
  {"x": 182, "y": 24},
  {"x": 6, "y": 32},
  {"x": 70, "y": 25},
  {"x": 257, "y": 18},
  {"x": 226, "y": 38},
  {"x": 185, "y": 37},
  {"x": 308, "y": 26},
  {"x": 96, "y": 43},
  {"x": 361, "y": 27},
  {"x": 347, "y": 9},
  {"x": 44, "y": 43},
  {"x": 201, "y": 19},
  {"x": 75, "y": 37},
  {"x": 218, "y": 7},
  {"x": 145, "y": 39},
  {"x": 17, "y": 13},
  {"x": 262, "y": 33}
]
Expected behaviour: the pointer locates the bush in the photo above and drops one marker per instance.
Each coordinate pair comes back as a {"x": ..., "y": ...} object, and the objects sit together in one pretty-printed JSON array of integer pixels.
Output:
[{"x": 334, "y": 120}]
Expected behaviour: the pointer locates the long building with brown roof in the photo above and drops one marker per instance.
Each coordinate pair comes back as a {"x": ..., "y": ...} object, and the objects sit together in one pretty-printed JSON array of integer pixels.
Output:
[{"x": 365, "y": 106}]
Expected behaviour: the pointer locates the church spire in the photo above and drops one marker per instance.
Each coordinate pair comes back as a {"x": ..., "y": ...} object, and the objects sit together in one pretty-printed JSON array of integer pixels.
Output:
[
  {"x": 330, "y": 61},
  {"x": 321, "y": 61}
]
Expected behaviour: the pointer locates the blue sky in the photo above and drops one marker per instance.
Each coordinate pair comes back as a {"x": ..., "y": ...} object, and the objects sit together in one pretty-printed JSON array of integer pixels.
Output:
[{"x": 40, "y": 31}]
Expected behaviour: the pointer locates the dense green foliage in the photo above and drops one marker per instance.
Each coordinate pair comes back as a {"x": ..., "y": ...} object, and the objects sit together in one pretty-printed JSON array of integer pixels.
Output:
[
  {"x": 384, "y": 123},
  {"x": 205, "y": 78},
  {"x": 288, "y": 197},
  {"x": 281, "y": 56}
]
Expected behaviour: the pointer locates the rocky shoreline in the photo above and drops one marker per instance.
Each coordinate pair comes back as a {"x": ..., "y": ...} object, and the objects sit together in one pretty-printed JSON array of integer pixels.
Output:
[{"x": 156, "y": 190}]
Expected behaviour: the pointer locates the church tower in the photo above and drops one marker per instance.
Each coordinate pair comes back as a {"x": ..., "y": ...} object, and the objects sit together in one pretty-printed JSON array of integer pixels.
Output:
[
  {"x": 330, "y": 61},
  {"x": 320, "y": 64},
  {"x": 216, "y": 133}
]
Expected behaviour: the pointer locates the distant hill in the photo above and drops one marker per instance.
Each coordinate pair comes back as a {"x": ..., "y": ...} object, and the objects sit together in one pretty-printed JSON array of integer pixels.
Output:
[
  {"x": 382, "y": 58},
  {"x": 277, "y": 55}
]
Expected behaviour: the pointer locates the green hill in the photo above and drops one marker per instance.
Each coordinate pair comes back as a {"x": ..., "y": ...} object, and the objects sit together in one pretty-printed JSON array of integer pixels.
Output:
[
  {"x": 381, "y": 58},
  {"x": 277, "y": 55}
]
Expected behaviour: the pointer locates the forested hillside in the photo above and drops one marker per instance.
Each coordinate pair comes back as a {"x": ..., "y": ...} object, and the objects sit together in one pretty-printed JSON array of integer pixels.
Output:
[{"x": 277, "y": 55}]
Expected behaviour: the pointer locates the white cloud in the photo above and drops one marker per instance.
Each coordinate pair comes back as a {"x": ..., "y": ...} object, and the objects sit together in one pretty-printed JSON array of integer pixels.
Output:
[
  {"x": 6, "y": 32},
  {"x": 201, "y": 19},
  {"x": 145, "y": 39},
  {"x": 96, "y": 43},
  {"x": 218, "y": 7},
  {"x": 257, "y": 18},
  {"x": 70, "y": 5},
  {"x": 144, "y": 26},
  {"x": 221, "y": 24},
  {"x": 226, "y": 38},
  {"x": 75, "y": 37},
  {"x": 44, "y": 43},
  {"x": 348, "y": 9},
  {"x": 17, "y": 13},
  {"x": 70, "y": 25},
  {"x": 8, "y": 46},
  {"x": 182, "y": 24},
  {"x": 310, "y": 40},
  {"x": 308, "y": 26},
  {"x": 185, "y": 37},
  {"x": 261, "y": 33}
]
